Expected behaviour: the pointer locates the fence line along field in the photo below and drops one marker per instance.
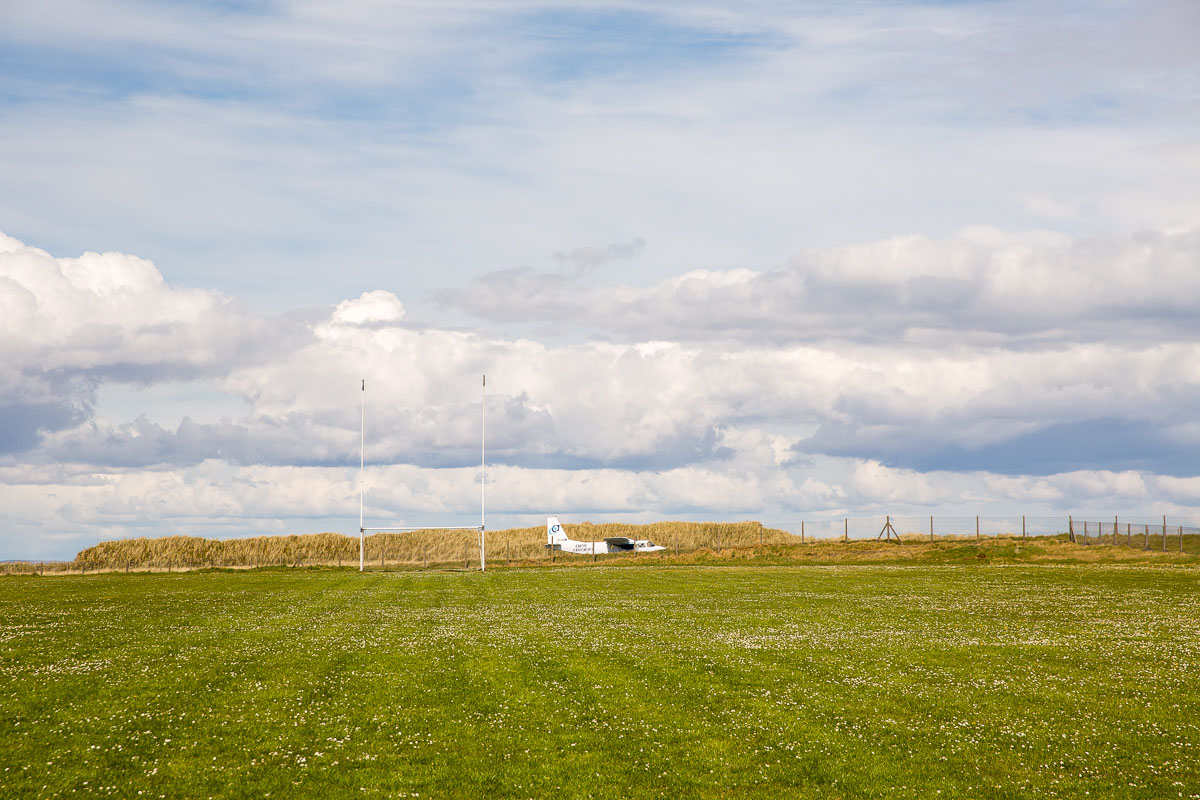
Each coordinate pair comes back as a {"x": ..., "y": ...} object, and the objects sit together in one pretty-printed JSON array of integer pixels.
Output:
[{"x": 651, "y": 681}]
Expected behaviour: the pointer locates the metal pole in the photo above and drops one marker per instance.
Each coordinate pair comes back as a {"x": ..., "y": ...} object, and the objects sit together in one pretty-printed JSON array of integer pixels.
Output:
[
  {"x": 483, "y": 478},
  {"x": 362, "y": 456}
]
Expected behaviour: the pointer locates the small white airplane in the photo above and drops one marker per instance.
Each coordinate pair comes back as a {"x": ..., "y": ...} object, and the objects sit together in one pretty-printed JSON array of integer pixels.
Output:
[{"x": 556, "y": 539}]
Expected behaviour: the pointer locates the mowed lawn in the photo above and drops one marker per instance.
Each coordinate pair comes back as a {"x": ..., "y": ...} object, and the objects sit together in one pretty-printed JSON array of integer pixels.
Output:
[{"x": 850, "y": 681}]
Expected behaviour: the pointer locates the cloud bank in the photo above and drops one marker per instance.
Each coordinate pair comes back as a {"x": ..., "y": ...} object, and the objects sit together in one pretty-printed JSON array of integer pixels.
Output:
[{"x": 991, "y": 371}]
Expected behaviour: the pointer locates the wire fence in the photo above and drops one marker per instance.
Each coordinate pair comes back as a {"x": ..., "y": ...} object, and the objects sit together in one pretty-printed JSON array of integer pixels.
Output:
[{"x": 1166, "y": 533}]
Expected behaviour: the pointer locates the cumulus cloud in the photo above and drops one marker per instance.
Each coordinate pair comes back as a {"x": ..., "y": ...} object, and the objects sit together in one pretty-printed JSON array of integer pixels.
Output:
[
  {"x": 68, "y": 323},
  {"x": 712, "y": 425},
  {"x": 377, "y": 307}
]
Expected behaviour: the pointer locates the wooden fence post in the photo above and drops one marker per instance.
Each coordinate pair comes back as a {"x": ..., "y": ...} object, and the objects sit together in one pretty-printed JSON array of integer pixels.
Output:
[
  {"x": 1164, "y": 539},
  {"x": 1128, "y": 535},
  {"x": 1070, "y": 528},
  {"x": 801, "y": 531},
  {"x": 1146, "y": 536},
  {"x": 1116, "y": 524},
  {"x": 845, "y": 529},
  {"x": 1181, "y": 540},
  {"x": 931, "y": 528},
  {"x": 1022, "y": 526},
  {"x": 977, "y": 527}
]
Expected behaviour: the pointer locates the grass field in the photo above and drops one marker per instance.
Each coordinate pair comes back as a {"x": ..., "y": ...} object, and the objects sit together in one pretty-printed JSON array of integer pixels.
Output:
[{"x": 723, "y": 681}]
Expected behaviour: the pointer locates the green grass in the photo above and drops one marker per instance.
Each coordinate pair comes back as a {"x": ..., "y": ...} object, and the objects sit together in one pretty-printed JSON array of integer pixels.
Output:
[{"x": 839, "y": 681}]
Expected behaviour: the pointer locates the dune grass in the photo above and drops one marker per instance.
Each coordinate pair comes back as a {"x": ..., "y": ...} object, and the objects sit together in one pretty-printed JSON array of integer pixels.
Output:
[
  {"x": 424, "y": 548},
  {"x": 906, "y": 681}
]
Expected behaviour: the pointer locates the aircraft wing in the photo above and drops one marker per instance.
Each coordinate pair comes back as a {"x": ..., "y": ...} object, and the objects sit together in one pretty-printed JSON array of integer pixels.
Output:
[{"x": 620, "y": 542}]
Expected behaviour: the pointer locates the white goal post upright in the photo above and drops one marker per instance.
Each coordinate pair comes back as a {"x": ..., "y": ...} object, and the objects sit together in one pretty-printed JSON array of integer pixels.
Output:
[
  {"x": 483, "y": 476},
  {"x": 362, "y": 460}
]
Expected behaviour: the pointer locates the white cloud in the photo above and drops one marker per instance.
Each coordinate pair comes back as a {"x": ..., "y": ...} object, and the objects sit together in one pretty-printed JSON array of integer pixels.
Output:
[
  {"x": 377, "y": 306},
  {"x": 68, "y": 323}
]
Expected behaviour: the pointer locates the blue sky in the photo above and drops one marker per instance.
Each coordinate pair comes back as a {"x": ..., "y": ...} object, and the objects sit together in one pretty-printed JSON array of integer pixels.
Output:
[{"x": 755, "y": 259}]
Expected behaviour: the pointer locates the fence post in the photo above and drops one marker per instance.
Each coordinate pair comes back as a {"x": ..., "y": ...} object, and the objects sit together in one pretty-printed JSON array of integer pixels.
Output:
[
  {"x": 1164, "y": 539},
  {"x": 1181, "y": 540},
  {"x": 760, "y": 534},
  {"x": 1128, "y": 535},
  {"x": 1022, "y": 526},
  {"x": 1146, "y": 536},
  {"x": 1085, "y": 536},
  {"x": 931, "y": 528},
  {"x": 1116, "y": 522},
  {"x": 845, "y": 529},
  {"x": 1070, "y": 529},
  {"x": 977, "y": 527}
]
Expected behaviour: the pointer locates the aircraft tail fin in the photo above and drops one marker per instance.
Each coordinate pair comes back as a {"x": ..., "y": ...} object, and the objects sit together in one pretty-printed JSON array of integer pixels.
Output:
[{"x": 554, "y": 531}]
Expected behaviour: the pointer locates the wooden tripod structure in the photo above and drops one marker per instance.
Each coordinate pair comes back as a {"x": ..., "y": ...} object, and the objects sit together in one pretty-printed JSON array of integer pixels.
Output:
[{"x": 887, "y": 532}]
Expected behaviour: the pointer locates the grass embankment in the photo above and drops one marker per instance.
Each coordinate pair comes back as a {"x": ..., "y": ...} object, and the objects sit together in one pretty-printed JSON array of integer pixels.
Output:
[
  {"x": 839, "y": 682},
  {"x": 424, "y": 548}
]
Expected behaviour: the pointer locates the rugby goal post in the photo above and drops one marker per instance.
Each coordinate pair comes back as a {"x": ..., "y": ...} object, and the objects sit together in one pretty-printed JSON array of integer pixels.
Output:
[{"x": 362, "y": 460}]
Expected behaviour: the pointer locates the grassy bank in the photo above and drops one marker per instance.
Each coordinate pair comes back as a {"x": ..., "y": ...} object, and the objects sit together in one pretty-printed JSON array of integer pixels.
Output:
[
  {"x": 411, "y": 548},
  {"x": 906, "y": 681}
]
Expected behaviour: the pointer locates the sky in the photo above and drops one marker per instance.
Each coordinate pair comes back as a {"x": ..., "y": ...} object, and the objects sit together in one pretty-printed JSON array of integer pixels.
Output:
[{"x": 753, "y": 260}]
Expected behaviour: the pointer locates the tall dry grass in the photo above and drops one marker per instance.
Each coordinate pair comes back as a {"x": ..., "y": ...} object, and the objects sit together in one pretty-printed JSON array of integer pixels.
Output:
[{"x": 426, "y": 547}]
